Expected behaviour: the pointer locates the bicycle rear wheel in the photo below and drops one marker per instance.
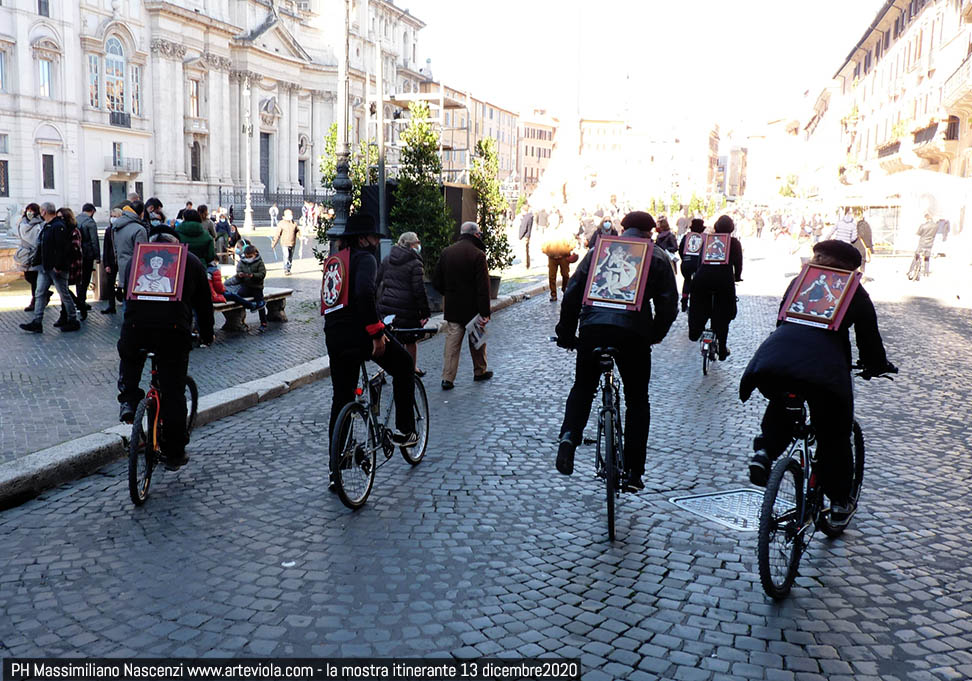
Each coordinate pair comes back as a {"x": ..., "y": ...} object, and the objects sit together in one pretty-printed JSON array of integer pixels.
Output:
[
  {"x": 914, "y": 272},
  {"x": 779, "y": 545},
  {"x": 192, "y": 404},
  {"x": 141, "y": 451},
  {"x": 857, "y": 454},
  {"x": 705, "y": 363},
  {"x": 353, "y": 456},
  {"x": 414, "y": 454},
  {"x": 610, "y": 472}
]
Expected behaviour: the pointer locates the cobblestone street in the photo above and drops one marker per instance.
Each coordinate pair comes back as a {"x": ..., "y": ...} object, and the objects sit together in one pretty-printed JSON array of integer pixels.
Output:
[{"x": 484, "y": 549}]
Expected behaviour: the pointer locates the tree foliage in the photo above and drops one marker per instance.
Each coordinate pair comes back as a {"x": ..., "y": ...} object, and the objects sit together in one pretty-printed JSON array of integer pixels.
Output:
[{"x": 490, "y": 205}]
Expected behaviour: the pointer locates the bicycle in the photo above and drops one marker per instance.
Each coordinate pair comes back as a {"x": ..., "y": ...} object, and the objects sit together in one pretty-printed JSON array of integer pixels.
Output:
[
  {"x": 793, "y": 503},
  {"x": 609, "y": 462},
  {"x": 145, "y": 445},
  {"x": 914, "y": 270},
  {"x": 360, "y": 431},
  {"x": 709, "y": 347}
]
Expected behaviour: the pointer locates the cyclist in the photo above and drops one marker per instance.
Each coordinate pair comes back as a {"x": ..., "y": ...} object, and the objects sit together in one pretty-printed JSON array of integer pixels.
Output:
[
  {"x": 355, "y": 333},
  {"x": 816, "y": 363},
  {"x": 633, "y": 334},
  {"x": 690, "y": 263},
  {"x": 164, "y": 328},
  {"x": 714, "y": 291}
]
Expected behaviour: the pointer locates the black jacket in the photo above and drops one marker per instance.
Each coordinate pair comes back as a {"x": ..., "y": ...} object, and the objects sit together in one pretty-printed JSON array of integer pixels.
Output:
[
  {"x": 54, "y": 246},
  {"x": 357, "y": 322},
  {"x": 89, "y": 236},
  {"x": 712, "y": 277},
  {"x": 661, "y": 289},
  {"x": 526, "y": 225},
  {"x": 796, "y": 356},
  {"x": 196, "y": 296},
  {"x": 667, "y": 241},
  {"x": 402, "y": 285},
  {"x": 461, "y": 276}
]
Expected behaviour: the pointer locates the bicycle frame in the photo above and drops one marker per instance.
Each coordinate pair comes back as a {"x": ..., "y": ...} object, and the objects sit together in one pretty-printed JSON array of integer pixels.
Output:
[
  {"x": 372, "y": 404},
  {"x": 610, "y": 408},
  {"x": 803, "y": 451}
]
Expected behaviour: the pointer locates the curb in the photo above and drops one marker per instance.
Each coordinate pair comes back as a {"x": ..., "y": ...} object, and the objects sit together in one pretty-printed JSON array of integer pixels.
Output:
[{"x": 29, "y": 476}]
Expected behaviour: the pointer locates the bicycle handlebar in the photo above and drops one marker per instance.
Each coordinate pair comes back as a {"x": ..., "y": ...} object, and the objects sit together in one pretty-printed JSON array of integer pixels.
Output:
[{"x": 867, "y": 374}]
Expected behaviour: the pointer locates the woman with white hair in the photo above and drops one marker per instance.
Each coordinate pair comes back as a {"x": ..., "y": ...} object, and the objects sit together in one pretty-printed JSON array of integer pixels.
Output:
[{"x": 401, "y": 288}]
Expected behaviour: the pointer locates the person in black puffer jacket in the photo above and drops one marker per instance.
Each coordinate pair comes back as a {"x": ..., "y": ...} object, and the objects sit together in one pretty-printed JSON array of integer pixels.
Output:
[{"x": 401, "y": 285}]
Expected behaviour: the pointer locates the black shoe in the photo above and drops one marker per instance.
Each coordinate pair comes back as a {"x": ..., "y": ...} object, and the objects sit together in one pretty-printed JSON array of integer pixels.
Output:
[
  {"x": 633, "y": 483},
  {"x": 840, "y": 514},
  {"x": 35, "y": 327},
  {"x": 759, "y": 468},
  {"x": 29, "y": 308},
  {"x": 419, "y": 373},
  {"x": 332, "y": 486},
  {"x": 723, "y": 353},
  {"x": 71, "y": 325},
  {"x": 126, "y": 414},
  {"x": 108, "y": 310},
  {"x": 174, "y": 462},
  {"x": 448, "y": 385},
  {"x": 61, "y": 321},
  {"x": 684, "y": 304},
  {"x": 485, "y": 376},
  {"x": 84, "y": 312},
  {"x": 565, "y": 456},
  {"x": 405, "y": 439}
]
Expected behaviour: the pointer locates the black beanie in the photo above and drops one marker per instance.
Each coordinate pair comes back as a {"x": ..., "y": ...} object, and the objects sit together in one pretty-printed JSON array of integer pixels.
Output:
[
  {"x": 638, "y": 220},
  {"x": 724, "y": 225},
  {"x": 697, "y": 226},
  {"x": 840, "y": 251}
]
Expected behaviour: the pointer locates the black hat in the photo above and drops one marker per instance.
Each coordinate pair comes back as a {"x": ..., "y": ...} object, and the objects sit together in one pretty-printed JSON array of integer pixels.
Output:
[
  {"x": 841, "y": 251},
  {"x": 697, "y": 226},
  {"x": 638, "y": 220},
  {"x": 724, "y": 225},
  {"x": 361, "y": 224}
]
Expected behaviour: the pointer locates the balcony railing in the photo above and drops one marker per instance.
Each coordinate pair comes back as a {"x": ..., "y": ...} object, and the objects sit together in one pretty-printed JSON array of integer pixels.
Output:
[
  {"x": 120, "y": 119},
  {"x": 889, "y": 149},
  {"x": 196, "y": 125},
  {"x": 121, "y": 164},
  {"x": 926, "y": 134},
  {"x": 958, "y": 86}
]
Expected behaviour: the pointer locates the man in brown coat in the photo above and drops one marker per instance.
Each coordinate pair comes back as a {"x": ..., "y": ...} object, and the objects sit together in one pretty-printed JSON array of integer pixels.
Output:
[
  {"x": 287, "y": 232},
  {"x": 462, "y": 278}
]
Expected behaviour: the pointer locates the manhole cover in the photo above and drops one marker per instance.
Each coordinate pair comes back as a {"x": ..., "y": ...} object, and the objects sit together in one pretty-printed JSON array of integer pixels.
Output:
[{"x": 738, "y": 508}]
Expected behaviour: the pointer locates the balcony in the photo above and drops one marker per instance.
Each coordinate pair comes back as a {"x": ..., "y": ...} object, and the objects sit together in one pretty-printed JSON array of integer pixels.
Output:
[
  {"x": 120, "y": 119},
  {"x": 957, "y": 91},
  {"x": 889, "y": 149},
  {"x": 893, "y": 159},
  {"x": 198, "y": 126},
  {"x": 121, "y": 164},
  {"x": 936, "y": 143}
]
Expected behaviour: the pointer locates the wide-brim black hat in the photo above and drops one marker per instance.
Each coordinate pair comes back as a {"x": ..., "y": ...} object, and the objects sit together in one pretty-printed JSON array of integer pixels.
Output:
[
  {"x": 638, "y": 219},
  {"x": 361, "y": 224},
  {"x": 839, "y": 250}
]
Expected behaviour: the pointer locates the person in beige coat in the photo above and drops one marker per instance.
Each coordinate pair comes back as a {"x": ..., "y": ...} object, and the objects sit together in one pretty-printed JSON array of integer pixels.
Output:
[{"x": 287, "y": 233}]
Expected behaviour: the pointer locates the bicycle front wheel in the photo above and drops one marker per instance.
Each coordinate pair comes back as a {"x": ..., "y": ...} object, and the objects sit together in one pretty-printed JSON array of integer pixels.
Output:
[
  {"x": 610, "y": 472},
  {"x": 353, "y": 456},
  {"x": 914, "y": 272},
  {"x": 780, "y": 544},
  {"x": 192, "y": 404},
  {"x": 857, "y": 455},
  {"x": 414, "y": 454},
  {"x": 705, "y": 362},
  {"x": 141, "y": 451}
]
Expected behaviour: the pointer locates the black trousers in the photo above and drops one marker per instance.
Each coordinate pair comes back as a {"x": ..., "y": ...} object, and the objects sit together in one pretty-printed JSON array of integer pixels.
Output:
[
  {"x": 714, "y": 302},
  {"x": 87, "y": 267},
  {"x": 171, "y": 348},
  {"x": 688, "y": 272},
  {"x": 832, "y": 416},
  {"x": 110, "y": 289},
  {"x": 634, "y": 365},
  {"x": 346, "y": 358}
]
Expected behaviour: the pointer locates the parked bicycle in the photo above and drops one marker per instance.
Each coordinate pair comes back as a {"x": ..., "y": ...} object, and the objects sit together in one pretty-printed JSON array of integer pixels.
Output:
[
  {"x": 794, "y": 506},
  {"x": 709, "y": 347},
  {"x": 145, "y": 446},
  {"x": 914, "y": 270},
  {"x": 362, "y": 429}
]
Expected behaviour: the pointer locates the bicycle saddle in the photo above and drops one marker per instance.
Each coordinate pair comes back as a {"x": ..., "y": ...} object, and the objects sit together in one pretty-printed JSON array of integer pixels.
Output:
[{"x": 606, "y": 357}]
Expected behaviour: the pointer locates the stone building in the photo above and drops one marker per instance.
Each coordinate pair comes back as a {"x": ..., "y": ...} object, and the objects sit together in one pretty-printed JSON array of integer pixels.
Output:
[
  {"x": 183, "y": 100},
  {"x": 537, "y": 141}
]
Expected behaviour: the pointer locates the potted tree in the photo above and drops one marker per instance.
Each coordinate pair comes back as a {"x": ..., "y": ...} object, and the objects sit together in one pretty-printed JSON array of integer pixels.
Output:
[{"x": 490, "y": 209}]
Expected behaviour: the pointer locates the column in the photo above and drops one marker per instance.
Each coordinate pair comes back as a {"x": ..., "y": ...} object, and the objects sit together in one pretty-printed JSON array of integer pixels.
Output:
[
  {"x": 316, "y": 143},
  {"x": 179, "y": 135},
  {"x": 161, "y": 119},
  {"x": 254, "y": 111},
  {"x": 214, "y": 152},
  {"x": 225, "y": 131},
  {"x": 235, "y": 131},
  {"x": 281, "y": 180},
  {"x": 292, "y": 126}
]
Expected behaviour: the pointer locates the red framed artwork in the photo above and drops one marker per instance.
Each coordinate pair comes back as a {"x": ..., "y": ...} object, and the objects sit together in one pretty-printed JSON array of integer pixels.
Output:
[
  {"x": 158, "y": 272},
  {"x": 619, "y": 272},
  {"x": 335, "y": 285},
  {"x": 693, "y": 243},
  {"x": 820, "y": 297},
  {"x": 715, "y": 249}
]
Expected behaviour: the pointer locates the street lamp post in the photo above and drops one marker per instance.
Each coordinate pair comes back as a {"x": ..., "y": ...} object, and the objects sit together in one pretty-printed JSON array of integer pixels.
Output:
[
  {"x": 342, "y": 179},
  {"x": 248, "y": 131}
]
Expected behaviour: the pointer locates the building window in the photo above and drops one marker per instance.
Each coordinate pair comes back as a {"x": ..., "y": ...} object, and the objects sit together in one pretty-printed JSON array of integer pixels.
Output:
[
  {"x": 195, "y": 162},
  {"x": 4, "y": 179},
  {"x": 96, "y": 193},
  {"x": 3, "y": 71},
  {"x": 4, "y": 143},
  {"x": 46, "y": 77},
  {"x": 194, "y": 98},
  {"x": 115, "y": 75},
  {"x": 138, "y": 189},
  {"x": 116, "y": 154},
  {"x": 47, "y": 166},
  {"x": 44, "y": 8},
  {"x": 94, "y": 82},
  {"x": 136, "y": 73}
]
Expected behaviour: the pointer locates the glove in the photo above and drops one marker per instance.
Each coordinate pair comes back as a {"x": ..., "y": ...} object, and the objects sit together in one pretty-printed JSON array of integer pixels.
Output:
[{"x": 567, "y": 342}]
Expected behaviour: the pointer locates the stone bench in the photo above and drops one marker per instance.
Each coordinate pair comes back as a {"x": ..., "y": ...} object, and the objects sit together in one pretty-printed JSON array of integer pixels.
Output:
[{"x": 235, "y": 314}]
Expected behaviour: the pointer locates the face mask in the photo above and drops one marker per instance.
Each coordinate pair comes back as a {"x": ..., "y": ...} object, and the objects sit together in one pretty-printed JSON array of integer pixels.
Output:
[
  {"x": 30, "y": 215},
  {"x": 418, "y": 248},
  {"x": 113, "y": 220},
  {"x": 606, "y": 226},
  {"x": 249, "y": 259}
]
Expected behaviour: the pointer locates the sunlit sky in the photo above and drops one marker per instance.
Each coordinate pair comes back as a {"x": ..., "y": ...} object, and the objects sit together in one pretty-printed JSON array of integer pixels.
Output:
[{"x": 736, "y": 62}]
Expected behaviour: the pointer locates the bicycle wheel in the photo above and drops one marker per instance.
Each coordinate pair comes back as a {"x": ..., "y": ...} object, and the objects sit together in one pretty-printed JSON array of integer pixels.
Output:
[
  {"x": 610, "y": 473},
  {"x": 414, "y": 454},
  {"x": 857, "y": 454},
  {"x": 779, "y": 546},
  {"x": 914, "y": 272},
  {"x": 141, "y": 451},
  {"x": 353, "y": 456},
  {"x": 705, "y": 362},
  {"x": 192, "y": 404}
]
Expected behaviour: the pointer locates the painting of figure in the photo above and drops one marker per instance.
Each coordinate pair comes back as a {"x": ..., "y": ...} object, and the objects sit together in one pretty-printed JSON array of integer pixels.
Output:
[
  {"x": 157, "y": 271},
  {"x": 716, "y": 249},
  {"x": 616, "y": 275},
  {"x": 693, "y": 243},
  {"x": 820, "y": 295}
]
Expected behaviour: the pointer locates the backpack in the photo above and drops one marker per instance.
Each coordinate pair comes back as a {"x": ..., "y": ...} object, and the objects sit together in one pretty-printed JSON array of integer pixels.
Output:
[{"x": 77, "y": 257}]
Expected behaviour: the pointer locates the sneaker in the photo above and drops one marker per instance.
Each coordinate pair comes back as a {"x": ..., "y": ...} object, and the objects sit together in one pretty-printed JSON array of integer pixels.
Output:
[
  {"x": 126, "y": 414},
  {"x": 633, "y": 483},
  {"x": 29, "y": 308},
  {"x": 33, "y": 327},
  {"x": 553, "y": 299},
  {"x": 174, "y": 462},
  {"x": 840, "y": 514},
  {"x": 446, "y": 385},
  {"x": 61, "y": 321},
  {"x": 405, "y": 439},
  {"x": 71, "y": 325},
  {"x": 419, "y": 373},
  {"x": 259, "y": 305},
  {"x": 565, "y": 456},
  {"x": 108, "y": 310},
  {"x": 263, "y": 326},
  {"x": 759, "y": 468},
  {"x": 485, "y": 376}
]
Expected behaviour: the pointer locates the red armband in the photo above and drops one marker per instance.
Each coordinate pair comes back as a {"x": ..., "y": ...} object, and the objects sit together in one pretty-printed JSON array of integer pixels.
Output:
[{"x": 374, "y": 329}]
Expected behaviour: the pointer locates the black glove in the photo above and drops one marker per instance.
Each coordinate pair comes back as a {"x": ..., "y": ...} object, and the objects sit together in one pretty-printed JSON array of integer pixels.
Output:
[{"x": 567, "y": 342}]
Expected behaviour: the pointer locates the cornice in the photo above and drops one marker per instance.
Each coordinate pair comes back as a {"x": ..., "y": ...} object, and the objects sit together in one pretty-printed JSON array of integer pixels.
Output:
[
  {"x": 190, "y": 16},
  {"x": 167, "y": 48}
]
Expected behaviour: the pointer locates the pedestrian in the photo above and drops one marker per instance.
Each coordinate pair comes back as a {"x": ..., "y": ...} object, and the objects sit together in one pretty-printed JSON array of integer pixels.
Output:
[
  {"x": 605, "y": 228},
  {"x": 223, "y": 231},
  {"x": 287, "y": 233},
  {"x": 690, "y": 259},
  {"x": 126, "y": 231},
  {"x": 865, "y": 241},
  {"x": 632, "y": 333},
  {"x": 926, "y": 241},
  {"x": 558, "y": 246},
  {"x": 846, "y": 228},
  {"x": 206, "y": 222},
  {"x": 713, "y": 294},
  {"x": 250, "y": 275},
  {"x": 463, "y": 280},
  {"x": 181, "y": 215},
  {"x": 28, "y": 230},
  {"x": 192, "y": 233},
  {"x": 401, "y": 290},
  {"x": 234, "y": 238},
  {"x": 91, "y": 249},
  {"x": 354, "y": 333},
  {"x": 54, "y": 257},
  {"x": 760, "y": 223},
  {"x": 76, "y": 267},
  {"x": 664, "y": 238},
  {"x": 526, "y": 230},
  {"x": 109, "y": 261},
  {"x": 274, "y": 212},
  {"x": 683, "y": 223}
]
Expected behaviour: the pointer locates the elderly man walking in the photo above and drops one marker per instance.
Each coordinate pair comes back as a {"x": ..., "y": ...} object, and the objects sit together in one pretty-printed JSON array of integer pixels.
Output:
[
  {"x": 54, "y": 257},
  {"x": 462, "y": 278}
]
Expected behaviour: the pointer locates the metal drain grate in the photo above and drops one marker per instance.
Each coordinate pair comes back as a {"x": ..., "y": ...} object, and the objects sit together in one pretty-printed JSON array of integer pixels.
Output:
[{"x": 737, "y": 509}]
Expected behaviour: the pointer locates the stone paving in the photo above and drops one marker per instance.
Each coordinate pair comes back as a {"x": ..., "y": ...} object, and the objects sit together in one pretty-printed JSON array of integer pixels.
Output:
[{"x": 483, "y": 549}]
